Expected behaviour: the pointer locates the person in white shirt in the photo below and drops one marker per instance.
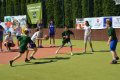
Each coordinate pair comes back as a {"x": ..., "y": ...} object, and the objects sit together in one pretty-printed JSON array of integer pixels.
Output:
[
  {"x": 32, "y": 43},
  {"x": 9, "y": 41},
  {"x": 87, "y": 36}
]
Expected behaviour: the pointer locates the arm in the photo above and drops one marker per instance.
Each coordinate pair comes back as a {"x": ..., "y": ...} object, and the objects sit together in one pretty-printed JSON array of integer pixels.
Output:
[{"x": 109, "y": 39}]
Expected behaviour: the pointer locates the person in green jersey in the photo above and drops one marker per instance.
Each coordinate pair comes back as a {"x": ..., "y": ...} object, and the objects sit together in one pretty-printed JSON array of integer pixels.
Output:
[
  {"x": 112, "y": 41},
  {"x": 24, "y": 40},
  {"x": 66, "y": 39}
]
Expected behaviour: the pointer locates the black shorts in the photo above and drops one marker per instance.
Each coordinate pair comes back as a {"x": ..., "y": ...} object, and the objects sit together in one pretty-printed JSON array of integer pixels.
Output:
[
  {"x": 32, "y": 45},
  {"x": 66, "y": 42},
  {"x": 9, "y": 44}
]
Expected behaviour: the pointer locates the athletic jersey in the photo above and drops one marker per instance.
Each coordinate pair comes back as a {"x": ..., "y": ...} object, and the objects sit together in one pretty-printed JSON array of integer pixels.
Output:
[
  {"x": 8, "y": 39},
  {"x": 111, "y": 32},
  {"x": 67, "y": 33},
  {"x": 51, "y": 28},
  {"x": 87, "y": 30},
  {"x": 24, "y": 40}
]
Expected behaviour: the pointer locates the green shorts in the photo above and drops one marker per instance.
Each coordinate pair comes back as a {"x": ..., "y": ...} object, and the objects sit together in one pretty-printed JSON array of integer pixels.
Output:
[{"x": 23, "y": 49}]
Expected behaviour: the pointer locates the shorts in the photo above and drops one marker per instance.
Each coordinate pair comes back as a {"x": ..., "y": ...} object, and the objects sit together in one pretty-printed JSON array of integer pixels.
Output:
[
  {"x": 51, "y": 34},
  {"x": 87, "y": 38},
  {"x": 40, "y": 35},
  {"x": 1, "y": 38},
  {"x": 68, "y": 42},
  {"x": 113, "y": 44},
  {"x": 22, "y": 50},
  {"x": 18, "y": 37},
  {"x": 9, "y": 44},
  {"x": 32, "y": 45}
]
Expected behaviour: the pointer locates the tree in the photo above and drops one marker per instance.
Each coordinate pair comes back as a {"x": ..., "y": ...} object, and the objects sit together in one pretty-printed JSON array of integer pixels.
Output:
[
  {"x": 68, "y": 13},
  {"x": 108, "y": 8},
  {"x": 49, "y": 10},
  {"x": 76, "y": 10},
  {"x": 98, "y": 10},
  {"x": 58, "y": 13}
]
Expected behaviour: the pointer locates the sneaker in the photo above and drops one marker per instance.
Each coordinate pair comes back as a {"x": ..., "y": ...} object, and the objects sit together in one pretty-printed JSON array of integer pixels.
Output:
[
  {"x": 10, "y": 62},
  {"x": 26, "y": 60},
  {"x": 113, "y": 62},
  {"x": 32, "y": 58},
  {"x": 117, "y": 58}
]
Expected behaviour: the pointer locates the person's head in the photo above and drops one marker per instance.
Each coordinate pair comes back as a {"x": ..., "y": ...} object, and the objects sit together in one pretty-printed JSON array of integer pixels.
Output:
[
  {"x": 51, "y": 22},
  {"x": 87, "y": 23},
  {"x": 9, "y": 33},
  {"x": 108, "y": 23},
  {"x": 26, "y": 32},
  {"x": 37, "y": 29},
  {"x": 66, "y": 28}
]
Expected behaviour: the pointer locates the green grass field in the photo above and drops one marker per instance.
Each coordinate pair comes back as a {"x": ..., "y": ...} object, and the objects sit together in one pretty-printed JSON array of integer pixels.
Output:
[{"x": 78, "y": 67}]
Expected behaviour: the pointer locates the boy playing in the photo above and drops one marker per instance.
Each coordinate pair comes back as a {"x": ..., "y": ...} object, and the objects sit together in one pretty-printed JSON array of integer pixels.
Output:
[
  {"x": 24, "y": 40},
  {"x": 112, "y": 42},
  {"x": 32, "y": 43},
  {"x": 66, "y": 39}
]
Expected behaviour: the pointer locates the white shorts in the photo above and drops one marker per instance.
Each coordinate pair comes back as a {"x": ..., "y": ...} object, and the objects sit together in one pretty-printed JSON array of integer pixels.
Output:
[{"x": 87, "y": 38}]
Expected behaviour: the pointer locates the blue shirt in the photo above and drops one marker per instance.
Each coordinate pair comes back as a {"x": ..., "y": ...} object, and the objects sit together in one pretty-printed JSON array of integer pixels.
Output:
[{"x": 51, "y": 28}]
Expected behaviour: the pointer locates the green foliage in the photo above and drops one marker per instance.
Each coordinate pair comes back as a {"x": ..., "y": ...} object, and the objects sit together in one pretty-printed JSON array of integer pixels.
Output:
[
  {"x": 68, "y": 13},
  {"x": 76, "y": 10},
  {"x": 49, "y": 10},
  {"x": 63, "y": 12},
  {"x": 98, "y": 10}
]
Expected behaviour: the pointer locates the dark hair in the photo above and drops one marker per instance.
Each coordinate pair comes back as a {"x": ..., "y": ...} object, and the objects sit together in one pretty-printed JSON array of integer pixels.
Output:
[
  {"x": 87, "y": 23},
  {"x": 109, "y": 23},
  {"x": 37, "y": 29},
  {"x": 65, "y": 26},
  {"x": 26, "y": 32}
]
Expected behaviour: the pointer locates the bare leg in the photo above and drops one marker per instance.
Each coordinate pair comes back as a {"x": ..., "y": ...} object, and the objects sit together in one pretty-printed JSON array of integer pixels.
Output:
[
  {"x": 38, "y": 42},
  {"x": 91, "y": 46},
  {"x": 33, "y": 53},
  {"x": 1, "y": 45},
  {"x": 50, "y": 41},
  {"x": 18, "y": 56},
  {"x": 71, "y": 50},
  {"x": 58, "y": 49},
  {"x": 54, "y": 40},
  {"x": 27, "y": 51},
  {"x": 85, "y": 47}
]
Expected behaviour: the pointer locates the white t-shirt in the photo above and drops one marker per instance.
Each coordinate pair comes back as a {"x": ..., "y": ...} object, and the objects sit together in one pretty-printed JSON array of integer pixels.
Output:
[
  {"x": 9, "y": 38},
  {"x": 35, "y": 35},
  {"x": 87, "y": 31}
]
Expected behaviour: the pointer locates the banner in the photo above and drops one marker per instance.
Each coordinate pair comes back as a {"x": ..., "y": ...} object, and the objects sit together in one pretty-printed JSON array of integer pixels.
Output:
[
  {"x": 34, "y": 12},
  {"x": 11, "y": 21},
  {"x": 99, "y": 22},
  {"x": 116, "y": 22}
]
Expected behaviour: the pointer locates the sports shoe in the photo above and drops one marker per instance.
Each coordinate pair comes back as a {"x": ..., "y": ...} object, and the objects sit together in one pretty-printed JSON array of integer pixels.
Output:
[
  {"x": 11, "y": 61},
  {"x": 113, "y": 62},
  {"x": 32, "y": 58},
  {"x": 26, "y": 60},
  {"x": 117, "y": 58}
]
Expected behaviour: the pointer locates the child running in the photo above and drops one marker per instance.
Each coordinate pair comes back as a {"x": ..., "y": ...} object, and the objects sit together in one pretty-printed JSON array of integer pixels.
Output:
[
  {"x": 66, "y": 39},
  {"x": 112, "y": 42},
  {"x": 24, "y": 40},
  {"x": 32, "y": 43}
]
